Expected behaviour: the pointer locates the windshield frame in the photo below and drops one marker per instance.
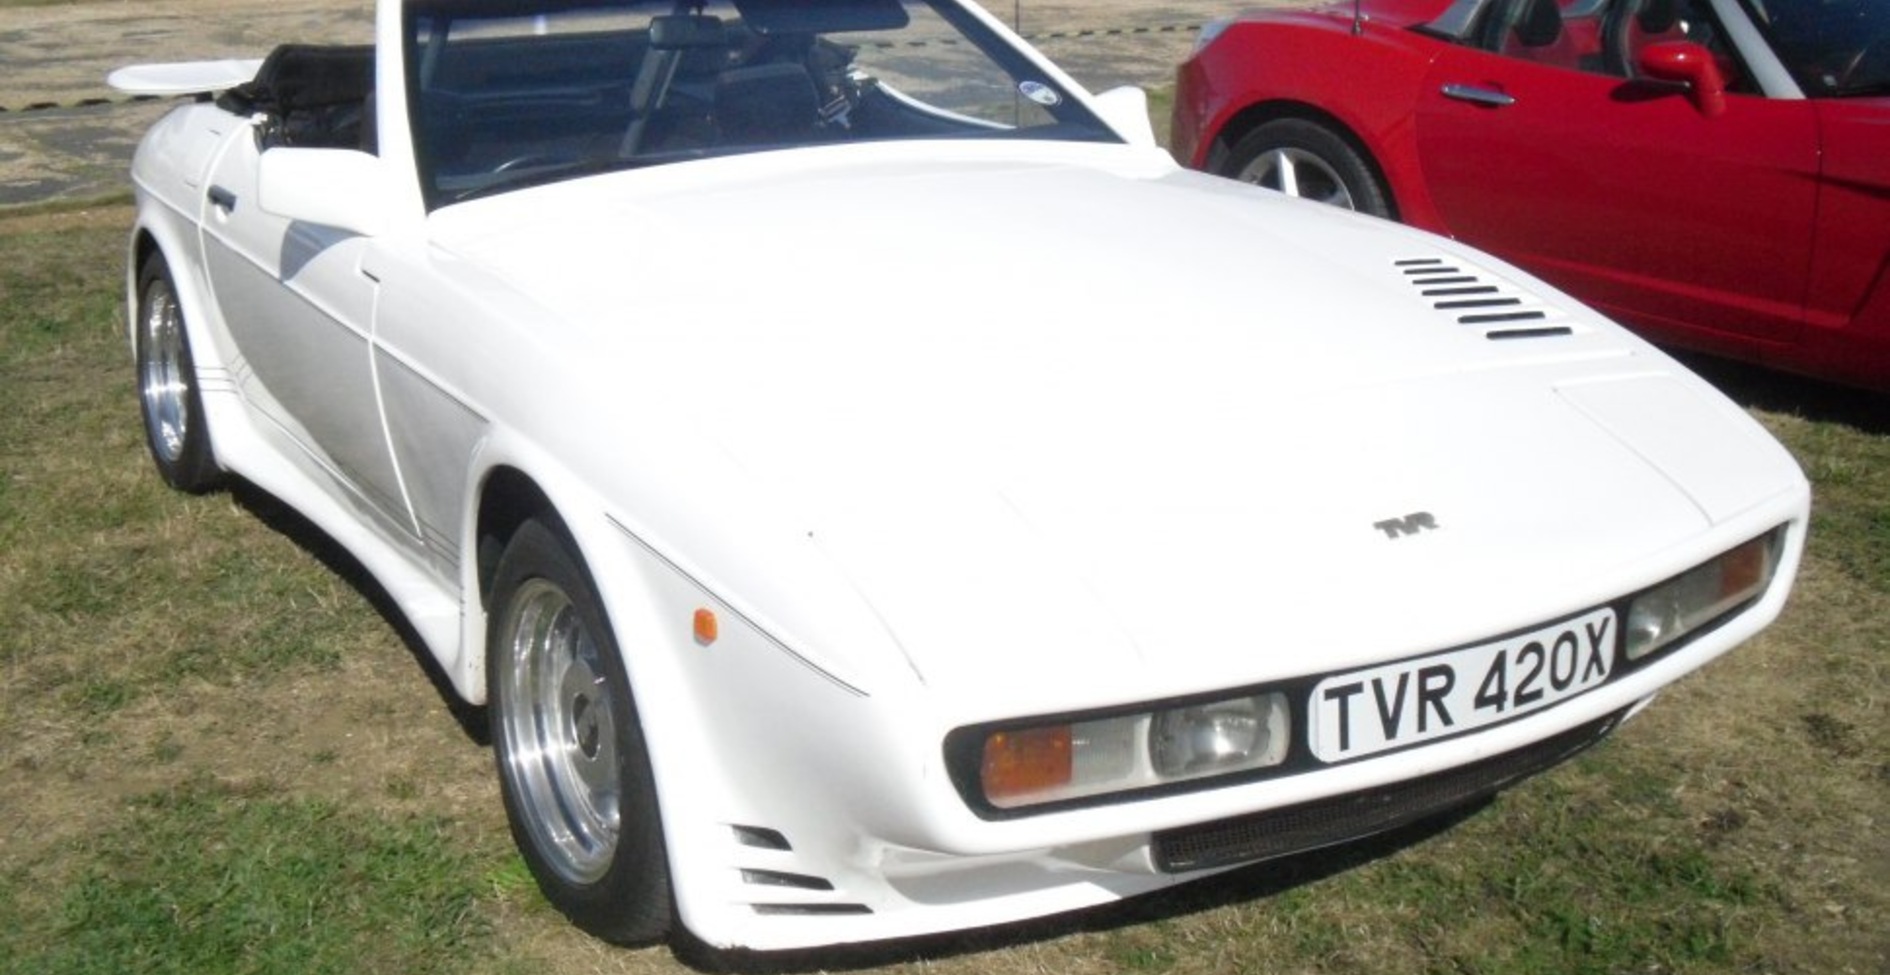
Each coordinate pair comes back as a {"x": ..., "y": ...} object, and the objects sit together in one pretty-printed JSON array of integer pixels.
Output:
[{"x": 1060, "y": 110}]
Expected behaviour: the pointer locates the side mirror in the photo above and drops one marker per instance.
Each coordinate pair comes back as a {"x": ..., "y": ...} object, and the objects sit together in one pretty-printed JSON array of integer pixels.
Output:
[
  {"x": 341, "y": 188},
  {"x": 1125, "y": 109},
  {"x": 1689, "y": 64}
]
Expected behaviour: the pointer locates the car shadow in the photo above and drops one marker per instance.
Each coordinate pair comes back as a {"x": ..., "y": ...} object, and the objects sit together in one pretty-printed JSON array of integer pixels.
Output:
[
  {"x": 1243, "y": 885},
  {"x": 1757, "y": 387},
  {"x": 289, "y": 523}
]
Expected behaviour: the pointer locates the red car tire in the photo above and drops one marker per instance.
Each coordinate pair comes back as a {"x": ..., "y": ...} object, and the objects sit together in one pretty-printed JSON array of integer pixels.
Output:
[{"x": 1308, "y": 160}]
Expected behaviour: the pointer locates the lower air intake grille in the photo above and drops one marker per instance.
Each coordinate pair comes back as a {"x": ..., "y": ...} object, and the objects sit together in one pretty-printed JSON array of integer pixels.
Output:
[{"x": 1279, "y": 832}]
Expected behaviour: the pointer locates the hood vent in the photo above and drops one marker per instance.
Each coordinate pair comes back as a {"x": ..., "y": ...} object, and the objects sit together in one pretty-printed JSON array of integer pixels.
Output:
[{"x": 1475, "y": 298}]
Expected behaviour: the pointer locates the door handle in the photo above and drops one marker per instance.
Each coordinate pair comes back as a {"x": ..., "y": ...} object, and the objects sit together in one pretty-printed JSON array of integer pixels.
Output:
[
  {"x": 222, "y": 199},
  {"x": 1478, "y": 96}
]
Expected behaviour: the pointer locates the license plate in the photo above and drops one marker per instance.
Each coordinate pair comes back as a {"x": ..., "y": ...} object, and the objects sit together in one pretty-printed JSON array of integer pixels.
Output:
[{"x": 1377, "y": 709}]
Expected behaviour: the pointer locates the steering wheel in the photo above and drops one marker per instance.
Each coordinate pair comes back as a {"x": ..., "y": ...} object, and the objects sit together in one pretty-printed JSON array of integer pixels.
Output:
[
  {"x": 1869, "y": 67},
  {"x": 531, "y": 160}
]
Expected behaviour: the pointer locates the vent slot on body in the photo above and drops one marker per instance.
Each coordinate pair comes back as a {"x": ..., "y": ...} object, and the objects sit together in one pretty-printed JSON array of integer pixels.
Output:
[
  {"x": 763, "y": 856},
  {"x": 1473, "y": 297}
]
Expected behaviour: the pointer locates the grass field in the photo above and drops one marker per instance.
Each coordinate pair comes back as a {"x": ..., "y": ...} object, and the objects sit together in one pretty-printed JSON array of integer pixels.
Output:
[{"x": 219, "y": 754}]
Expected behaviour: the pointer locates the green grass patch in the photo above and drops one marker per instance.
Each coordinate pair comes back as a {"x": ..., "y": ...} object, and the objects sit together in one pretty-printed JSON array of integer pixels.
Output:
[
  {"x": 204, "y": 880},
  {"x": 1161, "y": 104},
  {"x": 148, "y": 587},
  {"x": 1851, "y": 515}
]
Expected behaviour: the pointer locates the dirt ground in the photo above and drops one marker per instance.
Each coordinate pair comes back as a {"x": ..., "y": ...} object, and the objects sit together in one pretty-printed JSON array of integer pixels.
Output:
[{"x": 65, "y": 135}]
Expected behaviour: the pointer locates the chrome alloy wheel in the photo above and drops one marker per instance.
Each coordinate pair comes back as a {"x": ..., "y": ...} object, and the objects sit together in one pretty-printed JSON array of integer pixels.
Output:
[
  {"x": 165, "y": 375},
  {"x": 561, "y": 729},
  {"x": 1297, "y": 172}
]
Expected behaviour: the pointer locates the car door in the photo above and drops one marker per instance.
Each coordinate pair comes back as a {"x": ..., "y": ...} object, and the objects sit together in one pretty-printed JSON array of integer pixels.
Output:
[
  {"x": 425, "y": 360},
  {"x": 1629, "y": 192},
  {"x": 299, "y": 308},
  {"x": 1853, "y": 252}
]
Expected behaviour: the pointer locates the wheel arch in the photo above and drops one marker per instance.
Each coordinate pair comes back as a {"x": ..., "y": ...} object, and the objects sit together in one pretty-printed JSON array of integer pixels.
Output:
[
  {"x": 516, "y": 484},
  {"x": 216, "y": 416},
  {"x": 508, "y": 498},
  {"x": 154, "y": 237},
  {"x": 149, "y": 242},
  {"x": 517, "y": 487},
  {"x": 138, "y": 252},
  {"x": 1245, "y": 121},
  {"x": 144, "y": 243}
]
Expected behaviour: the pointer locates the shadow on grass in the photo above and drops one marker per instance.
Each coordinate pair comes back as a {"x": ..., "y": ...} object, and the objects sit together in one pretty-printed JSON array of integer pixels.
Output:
[
  {"x": 1258, "y": 881},
  {"x": 290, "y": 523},
  {"x": 1767, "y": 389}
]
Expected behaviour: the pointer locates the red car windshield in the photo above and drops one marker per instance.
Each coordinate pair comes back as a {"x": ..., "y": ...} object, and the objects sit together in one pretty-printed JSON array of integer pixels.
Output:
[{"x": 1834, "y": 48}]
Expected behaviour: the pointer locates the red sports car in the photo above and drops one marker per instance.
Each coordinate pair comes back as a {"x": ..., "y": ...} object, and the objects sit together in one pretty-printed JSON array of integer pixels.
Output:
[{"x": 1713, "y": 172}]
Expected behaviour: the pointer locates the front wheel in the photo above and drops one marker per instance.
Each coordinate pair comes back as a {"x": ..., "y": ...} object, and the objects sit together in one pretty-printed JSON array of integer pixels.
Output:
[
  {"x": 167, "y": 385},
  {"x": 1308, "y": 160},
  {"x": 573, "y": 768}
]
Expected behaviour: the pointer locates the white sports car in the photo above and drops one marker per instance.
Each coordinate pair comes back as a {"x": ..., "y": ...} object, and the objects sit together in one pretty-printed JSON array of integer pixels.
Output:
[{"x": 876, "y": 491}]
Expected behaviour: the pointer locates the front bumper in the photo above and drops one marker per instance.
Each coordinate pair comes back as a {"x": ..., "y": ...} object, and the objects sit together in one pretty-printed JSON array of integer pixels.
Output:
[{"x": 857, "y": 844}]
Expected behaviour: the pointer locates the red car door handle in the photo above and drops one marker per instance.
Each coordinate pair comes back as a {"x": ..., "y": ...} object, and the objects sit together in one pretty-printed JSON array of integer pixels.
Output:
[{"x": 1478, "y": 96}]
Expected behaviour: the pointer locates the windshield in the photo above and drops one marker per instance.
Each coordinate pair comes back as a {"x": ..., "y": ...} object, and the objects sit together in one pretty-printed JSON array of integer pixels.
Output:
[
  {"x": 509, "y": 94},
  {"x": 1832, "y": 47}
]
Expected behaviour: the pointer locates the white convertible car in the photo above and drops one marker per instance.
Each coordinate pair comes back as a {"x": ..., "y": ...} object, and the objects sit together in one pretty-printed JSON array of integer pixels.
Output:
[{"x": 876, "y": 491}]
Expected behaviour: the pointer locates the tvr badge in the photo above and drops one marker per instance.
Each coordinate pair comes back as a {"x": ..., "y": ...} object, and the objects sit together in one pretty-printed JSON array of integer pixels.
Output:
[{"x": 1411, "y": 524}]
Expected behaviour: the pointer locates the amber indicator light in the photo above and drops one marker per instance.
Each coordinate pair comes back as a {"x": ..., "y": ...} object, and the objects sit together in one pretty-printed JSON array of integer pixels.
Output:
[{"x": 1019, "y": 764}]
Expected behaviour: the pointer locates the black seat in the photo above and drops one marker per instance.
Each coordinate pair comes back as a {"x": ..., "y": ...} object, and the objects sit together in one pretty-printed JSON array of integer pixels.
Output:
[
  {"x": 1658, "y": 16},
  {"x": 316, "y": 95},
  {"x": 766, "y": 104},
  {"x": 676, "y": 43},
  {"x": 1538, "y": 23}
]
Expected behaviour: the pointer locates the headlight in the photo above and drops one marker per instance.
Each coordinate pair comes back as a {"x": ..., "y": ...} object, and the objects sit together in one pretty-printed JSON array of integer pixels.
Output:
[
  {"x": 1680, "y": 606},
  {"x": 1054, "y": 762}
]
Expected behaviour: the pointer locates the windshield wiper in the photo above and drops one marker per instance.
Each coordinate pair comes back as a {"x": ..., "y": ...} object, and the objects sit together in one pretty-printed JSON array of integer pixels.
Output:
[{"x": 552, "y": 173}]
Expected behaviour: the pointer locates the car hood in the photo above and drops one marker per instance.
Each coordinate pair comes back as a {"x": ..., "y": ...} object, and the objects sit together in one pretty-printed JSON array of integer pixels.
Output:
[{"x": 1047, "y": 415}]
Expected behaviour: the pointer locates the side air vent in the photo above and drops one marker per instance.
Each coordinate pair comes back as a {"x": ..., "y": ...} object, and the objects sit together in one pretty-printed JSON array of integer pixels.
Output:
[
  {"x": 763, "y": 858},
  {"x": 813, "y": 910},
  {"x": 1473, "y": 297},
  {"x": 760, "y": 837},
  {"x": 777, "y": 878}
]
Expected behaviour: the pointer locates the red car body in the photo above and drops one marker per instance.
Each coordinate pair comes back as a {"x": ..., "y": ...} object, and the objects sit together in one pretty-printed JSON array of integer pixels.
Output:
[{"x": 1714, "y": 178}]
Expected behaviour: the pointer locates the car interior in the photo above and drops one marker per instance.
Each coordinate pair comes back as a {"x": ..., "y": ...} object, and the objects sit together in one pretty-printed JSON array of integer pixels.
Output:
[
  {"x": 313, "y": 96},
  {"x": 1599, "y": 36},
  {"x": 504, "y": 96},
  {"x": 689, "y": 82}
]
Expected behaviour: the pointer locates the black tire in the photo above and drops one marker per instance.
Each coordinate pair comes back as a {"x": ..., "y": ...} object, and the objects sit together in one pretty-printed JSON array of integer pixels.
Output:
[
  {"x": 168, "y": 397},
  {"x": 1308, "y": 160},
  {"x": 573, "y": 768}
]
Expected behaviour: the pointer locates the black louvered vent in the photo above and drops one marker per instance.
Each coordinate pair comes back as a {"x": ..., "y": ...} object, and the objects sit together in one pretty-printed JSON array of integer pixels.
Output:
[
  {"x": 1476, "y": 298},
  {"x": 784, "y": 892}
]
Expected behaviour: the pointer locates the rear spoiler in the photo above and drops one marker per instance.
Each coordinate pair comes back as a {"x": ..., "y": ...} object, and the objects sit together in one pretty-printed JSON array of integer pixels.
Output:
[{"x": 184, "y": 78}]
